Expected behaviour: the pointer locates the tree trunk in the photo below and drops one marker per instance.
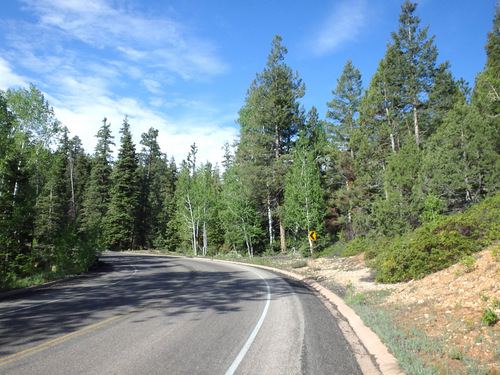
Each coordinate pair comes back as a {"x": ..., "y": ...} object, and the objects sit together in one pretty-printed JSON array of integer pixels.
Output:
[
  {"x": 349, "y": 219},
  {"x": 282, "y": 235},
  {"x": 415, "y": 123},
  {"x": 270, "y": 220},
  {"x": 193, "y": 226},
  {"x": 248, "y": 241},
  {"x": 71, "y": 178},
  {"x": 278, "y": 155},
  {"x": 205, "y": 243}
]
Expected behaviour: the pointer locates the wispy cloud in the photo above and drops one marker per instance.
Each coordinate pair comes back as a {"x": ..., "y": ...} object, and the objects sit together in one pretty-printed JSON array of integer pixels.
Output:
[
  {"x": 94, "y": 59},
  {"x": 152, "y": 85},
  {"x": 342, "y": 25},
  {"x": 8, "y": 78},
  {"x": 154, "y": 40}
]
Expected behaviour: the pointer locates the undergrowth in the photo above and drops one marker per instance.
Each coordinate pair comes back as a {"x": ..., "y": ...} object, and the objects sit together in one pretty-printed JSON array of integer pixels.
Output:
[
  {"x": 416, "y": 353},
  {"x": 405, "y": 346},
  {"x": 433, "y": 246},
  {"x": 16, "y": 282}
]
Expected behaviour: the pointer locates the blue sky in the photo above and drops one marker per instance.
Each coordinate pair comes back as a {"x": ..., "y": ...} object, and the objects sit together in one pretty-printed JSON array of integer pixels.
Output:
[{"x": 184, "y": 66}]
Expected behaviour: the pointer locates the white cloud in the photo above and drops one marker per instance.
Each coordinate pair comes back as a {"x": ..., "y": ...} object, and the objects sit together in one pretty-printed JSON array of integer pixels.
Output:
[
  {"x": 132, "y": 53},
  {"x": 209, "y": 143},
  {"x": 86, "y": 100},
  {"x": 155, "y": 41},
  {"x": 152, "y": 85},
  {"x": 93, "y": 60},
  {"x": 341, "y": 25},
  {"x": 8, "y": 78},
  {"x": 175, "y": 135}
]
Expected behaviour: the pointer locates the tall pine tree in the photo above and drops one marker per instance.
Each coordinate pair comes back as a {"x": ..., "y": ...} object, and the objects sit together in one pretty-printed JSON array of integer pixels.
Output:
[
  {"x": 97, "y": 194},
  {"x": 345, "y": 134},
  {"x": 486, "y": 95},
  {"x": 343, "y": 109},
  {"x": 150, "y": 202},
  {"x": 461, "y": 163},
  {"x": 121, "y": 220},
  {"x": 405, "y": 103},
  {"x": 270, "y": 121},
  {"x": 415, "y": 66}
]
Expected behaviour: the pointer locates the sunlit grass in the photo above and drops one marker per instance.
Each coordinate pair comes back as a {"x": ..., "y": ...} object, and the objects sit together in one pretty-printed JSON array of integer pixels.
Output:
[
  {"x": 405, "y": 345},
  {"x": 32, "y": 280}
]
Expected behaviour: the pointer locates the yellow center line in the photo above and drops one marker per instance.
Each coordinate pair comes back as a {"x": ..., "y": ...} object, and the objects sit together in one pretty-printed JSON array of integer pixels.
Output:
[{"x": 59, "y": 340}]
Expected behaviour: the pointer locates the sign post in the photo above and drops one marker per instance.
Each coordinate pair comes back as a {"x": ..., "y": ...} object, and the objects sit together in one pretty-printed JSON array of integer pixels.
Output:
[
  {"x": 198, "y": 240},
  {"x": 312, "y": 238}
]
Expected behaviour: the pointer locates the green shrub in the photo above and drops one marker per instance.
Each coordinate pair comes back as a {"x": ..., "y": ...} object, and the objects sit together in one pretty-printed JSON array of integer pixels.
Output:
[
  {"x": 355, "y": 246},
  {"x": 369, "y": 244},
  {"x": 305, "y": 250},
  {"x": 298, "y": 264},
  {"x": 469, "y": 262},
  {"x": 336, "y": 249},
  {"x": 432, "y": 209},
  {"x": 495, "y": 303},
  {"x": 438, "y": 244},
  {"x": 490, "y": 317},
  {"x": 495, "y": 253}
]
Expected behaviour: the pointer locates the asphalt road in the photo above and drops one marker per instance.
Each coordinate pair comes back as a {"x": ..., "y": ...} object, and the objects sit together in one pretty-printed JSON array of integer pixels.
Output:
[{"x": 145, "y": 314}]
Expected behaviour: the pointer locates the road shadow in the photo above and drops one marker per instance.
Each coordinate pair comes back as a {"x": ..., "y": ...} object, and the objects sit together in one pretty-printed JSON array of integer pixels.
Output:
[{"x": 122, "y": 283}]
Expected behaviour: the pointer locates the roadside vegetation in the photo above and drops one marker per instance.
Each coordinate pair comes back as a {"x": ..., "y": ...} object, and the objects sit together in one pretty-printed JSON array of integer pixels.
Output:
[
  {"x": 433, "y": 327},
  {"x": 405, "y": 345},
  {"x": 404, "y": 167},
  {"x": 416, "y": 352},
  {"x": 435, "y": 245}
]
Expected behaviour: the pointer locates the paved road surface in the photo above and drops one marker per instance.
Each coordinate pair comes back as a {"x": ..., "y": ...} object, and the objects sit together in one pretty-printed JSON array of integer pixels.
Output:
[{"x": 144, "y": 314}]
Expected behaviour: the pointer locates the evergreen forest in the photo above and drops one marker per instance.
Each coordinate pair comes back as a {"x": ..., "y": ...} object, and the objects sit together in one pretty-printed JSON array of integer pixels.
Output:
[{"x": 405, "y": 166}]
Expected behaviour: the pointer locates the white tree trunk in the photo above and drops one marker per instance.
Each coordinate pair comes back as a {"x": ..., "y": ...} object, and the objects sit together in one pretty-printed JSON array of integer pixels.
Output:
[
  {"x": 270, "y": 220},
  {"x": 193, "y": 225},
  {"x": 415, "y": 123},
  {"x": 205, "y": 243}
]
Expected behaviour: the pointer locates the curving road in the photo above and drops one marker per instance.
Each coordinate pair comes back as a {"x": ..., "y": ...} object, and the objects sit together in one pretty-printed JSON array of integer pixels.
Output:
[{"x": 145, "y": 314}]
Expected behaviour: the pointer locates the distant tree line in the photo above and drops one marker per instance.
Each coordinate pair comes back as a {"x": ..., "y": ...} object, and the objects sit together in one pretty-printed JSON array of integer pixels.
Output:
[{"x": 414, "y": 145}]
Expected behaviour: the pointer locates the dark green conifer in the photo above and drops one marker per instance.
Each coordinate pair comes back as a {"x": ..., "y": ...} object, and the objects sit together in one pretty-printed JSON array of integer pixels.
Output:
[
  {"x": 97, "y": 193},
  {"x": 270, "y": 120},
  {"x": 121, "y": 220}
]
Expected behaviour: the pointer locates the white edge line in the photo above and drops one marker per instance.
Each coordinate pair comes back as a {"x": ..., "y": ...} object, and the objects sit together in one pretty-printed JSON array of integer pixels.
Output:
[{"x": 254, "y": 333}]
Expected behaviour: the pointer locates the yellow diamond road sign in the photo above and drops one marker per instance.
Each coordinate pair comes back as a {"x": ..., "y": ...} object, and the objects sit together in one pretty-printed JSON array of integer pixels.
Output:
[{"x": 312, "y": 235}]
